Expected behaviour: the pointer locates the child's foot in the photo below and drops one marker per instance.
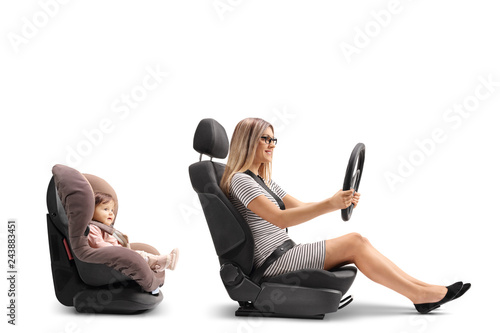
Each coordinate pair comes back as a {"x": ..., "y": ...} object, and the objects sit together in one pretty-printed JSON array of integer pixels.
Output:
[
  {"x": 174, "y": 257},
  {"x": 161, "y": 262}
]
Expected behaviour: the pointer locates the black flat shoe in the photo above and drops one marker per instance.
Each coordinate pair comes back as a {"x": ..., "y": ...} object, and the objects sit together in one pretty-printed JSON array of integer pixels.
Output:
[
  {"x": 453, "y": 291},
  {"x": 462, "y": 291}
]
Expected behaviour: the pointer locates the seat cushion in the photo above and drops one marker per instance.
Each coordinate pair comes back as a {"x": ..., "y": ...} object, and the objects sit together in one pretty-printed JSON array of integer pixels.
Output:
[{"x": 339, "y": 279}]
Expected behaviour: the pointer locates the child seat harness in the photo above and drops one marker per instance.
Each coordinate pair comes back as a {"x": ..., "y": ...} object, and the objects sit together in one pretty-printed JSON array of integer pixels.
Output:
[{"x": 110, "y": 230}]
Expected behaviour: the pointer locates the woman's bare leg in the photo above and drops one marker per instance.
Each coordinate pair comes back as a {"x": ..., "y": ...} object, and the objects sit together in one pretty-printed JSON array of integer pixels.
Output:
[
  {"x": 399, "y": 270},
  {"x": 353, "y": 248}
]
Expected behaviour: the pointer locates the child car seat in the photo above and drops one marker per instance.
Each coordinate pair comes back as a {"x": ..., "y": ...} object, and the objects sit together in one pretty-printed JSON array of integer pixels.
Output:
[
  {"x": 306, "y": 293},
  {"x": 111, "y": 279}
]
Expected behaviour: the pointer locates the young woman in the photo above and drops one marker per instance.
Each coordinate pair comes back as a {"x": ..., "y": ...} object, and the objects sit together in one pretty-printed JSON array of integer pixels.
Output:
[{"x": 251, "y": 151}]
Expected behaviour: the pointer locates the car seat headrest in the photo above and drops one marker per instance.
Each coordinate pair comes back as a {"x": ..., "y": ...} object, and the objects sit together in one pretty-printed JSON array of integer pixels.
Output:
[
  {"x": 76, "y": 191},
  {"x": 100, "y": 185},
  {"x": 76, "y": 196},
  {"x": 211, "y": 139}
]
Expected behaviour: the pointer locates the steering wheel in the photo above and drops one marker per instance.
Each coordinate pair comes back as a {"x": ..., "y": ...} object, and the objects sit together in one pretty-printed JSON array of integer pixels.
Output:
[{"x": 353, "y": 175}]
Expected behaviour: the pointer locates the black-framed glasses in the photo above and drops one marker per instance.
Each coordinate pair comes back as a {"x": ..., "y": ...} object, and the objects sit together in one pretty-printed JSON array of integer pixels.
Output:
[{"x": 267, "y": 139}]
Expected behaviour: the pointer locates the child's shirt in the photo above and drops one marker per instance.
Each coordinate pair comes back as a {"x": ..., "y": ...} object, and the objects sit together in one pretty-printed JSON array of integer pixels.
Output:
[{"x": 99, "y": 238}]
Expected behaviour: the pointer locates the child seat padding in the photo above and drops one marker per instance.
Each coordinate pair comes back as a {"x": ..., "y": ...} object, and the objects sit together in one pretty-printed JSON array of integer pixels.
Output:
[{"x": 76, "y": 193}]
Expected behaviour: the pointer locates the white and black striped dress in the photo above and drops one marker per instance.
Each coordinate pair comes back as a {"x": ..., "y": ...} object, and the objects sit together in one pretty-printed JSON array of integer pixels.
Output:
[{"x": 267, "y": 236}]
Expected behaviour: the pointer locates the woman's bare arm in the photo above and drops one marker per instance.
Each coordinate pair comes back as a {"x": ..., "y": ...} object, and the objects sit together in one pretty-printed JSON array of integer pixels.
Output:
[
  {"x": 298, "y": 212},
  {"x": 291, "y": 202}
]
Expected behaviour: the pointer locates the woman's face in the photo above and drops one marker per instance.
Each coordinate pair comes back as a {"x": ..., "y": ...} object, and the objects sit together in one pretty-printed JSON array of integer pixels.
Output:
[{"x": 264, "y": 152}]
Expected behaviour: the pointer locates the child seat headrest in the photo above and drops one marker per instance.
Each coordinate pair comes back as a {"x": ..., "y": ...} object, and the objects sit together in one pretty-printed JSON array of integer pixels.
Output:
[
  {"x": 100, "y": 185},
  {"x": 211, "y": 139}
]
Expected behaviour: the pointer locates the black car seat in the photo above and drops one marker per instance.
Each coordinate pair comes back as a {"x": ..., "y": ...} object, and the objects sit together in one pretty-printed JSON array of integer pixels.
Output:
[
  {"x": 111, "y": 279},
  {"x": 307, "y": 293}
]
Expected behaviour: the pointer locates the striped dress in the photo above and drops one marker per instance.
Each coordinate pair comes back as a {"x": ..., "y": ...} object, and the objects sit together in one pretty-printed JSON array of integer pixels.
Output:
[{"x": 267, "y": 236}]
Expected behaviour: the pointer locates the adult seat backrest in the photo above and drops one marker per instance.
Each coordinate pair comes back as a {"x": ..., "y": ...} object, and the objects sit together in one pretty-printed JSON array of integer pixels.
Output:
[{"x": 230, "y": 233}]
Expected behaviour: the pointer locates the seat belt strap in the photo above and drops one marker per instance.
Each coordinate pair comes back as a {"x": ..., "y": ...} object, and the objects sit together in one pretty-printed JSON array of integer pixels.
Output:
[
  {"x": 280, "y": 250},
  {"x": 264, "y": 186}
]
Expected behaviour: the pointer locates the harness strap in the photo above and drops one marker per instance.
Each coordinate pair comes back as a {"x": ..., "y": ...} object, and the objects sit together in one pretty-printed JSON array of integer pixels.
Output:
[
  {"x": 103, "y": 227},
  {"x": 110, "y": 230}
]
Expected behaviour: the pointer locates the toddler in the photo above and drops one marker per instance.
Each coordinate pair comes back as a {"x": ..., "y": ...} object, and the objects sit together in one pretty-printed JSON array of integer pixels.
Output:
[{"x": 104, "y": 213}]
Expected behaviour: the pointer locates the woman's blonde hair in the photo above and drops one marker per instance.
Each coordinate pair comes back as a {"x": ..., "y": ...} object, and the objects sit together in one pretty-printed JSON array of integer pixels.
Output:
[{"x": 242, "y": 150}]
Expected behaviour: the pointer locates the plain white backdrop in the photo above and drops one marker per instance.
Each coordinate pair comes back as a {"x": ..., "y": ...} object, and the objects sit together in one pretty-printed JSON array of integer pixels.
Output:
[{"x": 123, "y": 84}]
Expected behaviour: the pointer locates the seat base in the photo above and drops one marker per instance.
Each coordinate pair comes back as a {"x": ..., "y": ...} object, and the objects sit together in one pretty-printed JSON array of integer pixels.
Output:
[
  {"x": 126, "y": 301},
  {"x": 249, "y": 310}
]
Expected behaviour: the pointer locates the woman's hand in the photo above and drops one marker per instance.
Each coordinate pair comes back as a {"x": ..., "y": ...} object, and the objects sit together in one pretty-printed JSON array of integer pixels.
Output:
[
  {"x": 355, "y": 199},
  {"x": 342, "y": 199}
]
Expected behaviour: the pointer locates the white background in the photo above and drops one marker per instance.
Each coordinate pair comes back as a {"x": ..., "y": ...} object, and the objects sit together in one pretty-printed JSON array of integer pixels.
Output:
[{"x": 278, "y": 60}]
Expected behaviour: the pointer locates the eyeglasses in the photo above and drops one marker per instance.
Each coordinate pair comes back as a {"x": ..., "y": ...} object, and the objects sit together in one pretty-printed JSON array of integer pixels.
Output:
[{"x": 268, "y": 139}]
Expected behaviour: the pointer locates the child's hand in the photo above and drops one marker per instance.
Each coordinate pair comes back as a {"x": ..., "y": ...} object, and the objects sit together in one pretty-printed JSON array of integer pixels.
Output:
[{"x": 355, "y": 199}]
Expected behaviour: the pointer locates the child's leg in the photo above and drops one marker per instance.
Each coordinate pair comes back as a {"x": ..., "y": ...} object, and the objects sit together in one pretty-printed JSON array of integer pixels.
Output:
[
  {"x": 151, "y": 259},
  {"x": 159, "y": 263},
  {"x": 143, "y": 254}
]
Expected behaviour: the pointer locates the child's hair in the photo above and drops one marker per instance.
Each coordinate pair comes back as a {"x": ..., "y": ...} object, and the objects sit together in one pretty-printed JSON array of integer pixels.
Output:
[{"x": 101, "y": 197}]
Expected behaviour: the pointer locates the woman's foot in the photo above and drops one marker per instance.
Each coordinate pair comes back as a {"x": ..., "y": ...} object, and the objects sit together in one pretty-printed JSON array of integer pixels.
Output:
[
  {"x": 452, "y": 292},
  {"x": 430, "y": 294},
  {"x": 464, "y": 289}
]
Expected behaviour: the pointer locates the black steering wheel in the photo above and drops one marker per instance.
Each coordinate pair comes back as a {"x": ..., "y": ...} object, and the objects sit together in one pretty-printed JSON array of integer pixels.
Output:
[{"x": 353, "y": 175}]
